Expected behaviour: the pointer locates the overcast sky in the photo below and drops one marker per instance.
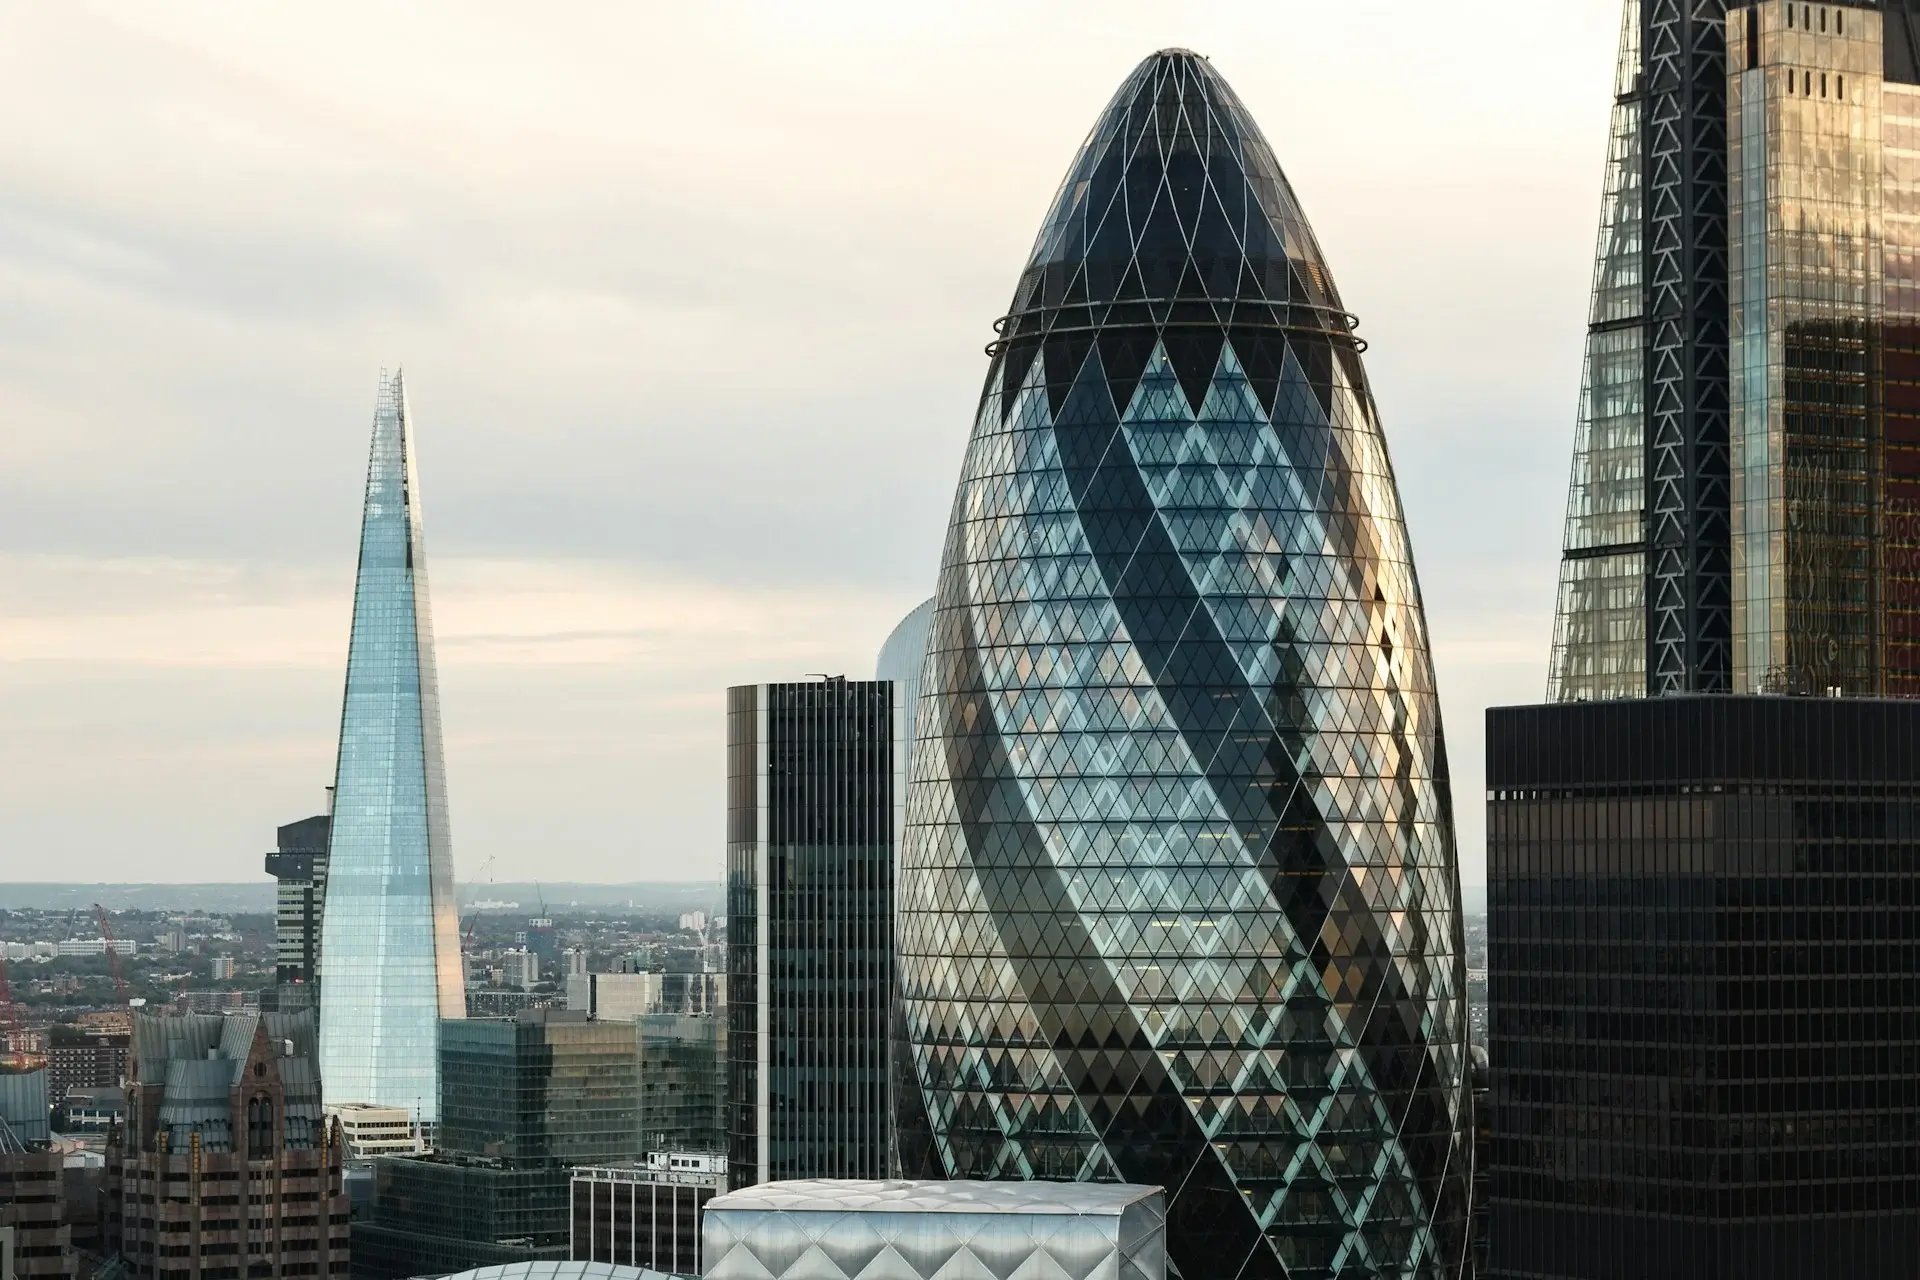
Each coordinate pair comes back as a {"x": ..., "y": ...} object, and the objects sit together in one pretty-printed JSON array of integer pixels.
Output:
[{"x": 691, "y": 300}]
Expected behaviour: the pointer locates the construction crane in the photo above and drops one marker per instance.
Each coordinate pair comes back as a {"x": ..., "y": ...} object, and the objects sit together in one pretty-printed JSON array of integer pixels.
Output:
[
  {"x": 473, "y": 921},
  {"x": 113, "y": 956}
]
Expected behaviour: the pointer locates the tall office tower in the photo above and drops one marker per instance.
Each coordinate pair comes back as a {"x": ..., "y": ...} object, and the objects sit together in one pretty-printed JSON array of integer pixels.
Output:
[
  {"x": 1704, "y": 1039},
  {"x": 1746, "y": 476},
  {"x": 1178, "y": 901},
  {"x": 390, "y": 967},
  {"x": 809, "y": 928},
  {"x": 299, "y": 863},
  {"x": 524, "y": 1101},
  {"x": 226, "y": 1166},
  {"x": 903, "y": 658},
  {"x": 1696, "y": 953}
]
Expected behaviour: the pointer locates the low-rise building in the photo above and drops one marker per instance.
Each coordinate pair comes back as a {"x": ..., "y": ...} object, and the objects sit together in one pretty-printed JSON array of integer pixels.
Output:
[
  {"x": 645, "y": 1215},
  {"x": 372, "y": 1131}
]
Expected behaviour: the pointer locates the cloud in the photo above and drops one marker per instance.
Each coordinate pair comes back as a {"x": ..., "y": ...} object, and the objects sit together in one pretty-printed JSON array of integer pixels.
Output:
[{"x": 691, "y": 300}]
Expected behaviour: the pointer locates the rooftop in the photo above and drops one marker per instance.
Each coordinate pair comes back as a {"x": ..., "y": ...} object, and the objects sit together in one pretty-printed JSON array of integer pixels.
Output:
[{"x": 1099, "y": 1199}]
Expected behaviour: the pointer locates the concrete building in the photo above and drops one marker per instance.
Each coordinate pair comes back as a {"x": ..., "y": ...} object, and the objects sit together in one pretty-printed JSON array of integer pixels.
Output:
[
  {"x": 78, "y": 1059},
  {"x": 226, "y": 1166},
  {"x": 371, "y": 1131}
]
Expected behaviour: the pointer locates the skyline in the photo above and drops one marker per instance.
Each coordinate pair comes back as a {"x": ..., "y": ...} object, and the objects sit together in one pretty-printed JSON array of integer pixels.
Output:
[{"x": 185, "y": 650}]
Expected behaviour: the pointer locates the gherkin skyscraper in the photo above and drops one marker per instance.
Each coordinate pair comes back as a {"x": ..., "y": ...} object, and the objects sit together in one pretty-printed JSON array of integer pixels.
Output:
[
  {"x": 390, "y": 941},
  {"x": 1178, "y": 901}
]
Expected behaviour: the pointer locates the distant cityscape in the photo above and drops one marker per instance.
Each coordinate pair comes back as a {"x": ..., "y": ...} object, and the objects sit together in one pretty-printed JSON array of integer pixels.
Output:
[{"x": 1113, "y": 928}]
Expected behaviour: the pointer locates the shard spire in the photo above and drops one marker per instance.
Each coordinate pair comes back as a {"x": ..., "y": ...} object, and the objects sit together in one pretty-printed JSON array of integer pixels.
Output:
[{"x": 390, "y": 965}]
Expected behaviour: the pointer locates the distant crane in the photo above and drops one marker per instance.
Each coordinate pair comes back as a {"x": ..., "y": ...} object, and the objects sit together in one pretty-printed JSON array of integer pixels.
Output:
[
  {"x": 113, "y": 955},
  {"x": 473, "y": 921}
]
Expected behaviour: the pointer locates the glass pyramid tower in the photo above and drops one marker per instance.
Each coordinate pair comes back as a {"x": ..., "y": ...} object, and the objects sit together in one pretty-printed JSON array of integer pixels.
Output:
[
  {"x": 1178, "y": 901},
  {"x": 390, "y": 945}
]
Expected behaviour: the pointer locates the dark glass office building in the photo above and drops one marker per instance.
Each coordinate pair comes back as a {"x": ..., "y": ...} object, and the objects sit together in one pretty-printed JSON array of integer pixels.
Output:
[
  {"x": 524, "y": 1101},
  {"x": 1705, "y": 942},
  {"x": 809, "y": 928},
  {"x": 1178, "y": 900}
]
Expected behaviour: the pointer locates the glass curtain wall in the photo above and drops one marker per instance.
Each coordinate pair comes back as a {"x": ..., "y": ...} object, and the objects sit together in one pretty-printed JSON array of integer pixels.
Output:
[
  {"x": 390, "y": 955},
  {"x": 1600, "y": 624}
]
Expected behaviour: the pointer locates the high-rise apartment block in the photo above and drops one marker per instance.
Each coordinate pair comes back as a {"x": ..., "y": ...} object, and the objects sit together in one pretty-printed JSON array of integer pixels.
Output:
[
  {"x": 1178, "y": 897},
  {"x": 809, "y": 927},
  {"x": 82, "y": 1059},
  {"x": 389, "y": 964},
  {"x": 299, "y": 865},
  {"x": 226, "y": 1167}
]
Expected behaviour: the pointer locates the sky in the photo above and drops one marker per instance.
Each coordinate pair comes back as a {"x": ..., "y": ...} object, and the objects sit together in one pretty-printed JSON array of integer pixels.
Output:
[{"x": 691, "y": 301}]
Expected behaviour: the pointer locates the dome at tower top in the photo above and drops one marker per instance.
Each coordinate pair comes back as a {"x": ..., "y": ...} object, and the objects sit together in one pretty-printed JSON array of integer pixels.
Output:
[{"x": 1175, "y": 198}]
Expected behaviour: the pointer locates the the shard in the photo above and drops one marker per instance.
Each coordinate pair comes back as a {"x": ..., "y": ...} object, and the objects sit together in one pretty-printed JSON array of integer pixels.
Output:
[
  {"x": 390, "y": 946},
  {"x": 1178, "y": 902}
]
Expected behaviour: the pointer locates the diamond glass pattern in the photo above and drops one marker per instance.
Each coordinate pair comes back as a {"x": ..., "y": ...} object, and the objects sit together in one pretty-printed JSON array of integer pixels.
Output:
[
  {"x": 390, "y": 944},
  {"x": 1178, "y": 902}
]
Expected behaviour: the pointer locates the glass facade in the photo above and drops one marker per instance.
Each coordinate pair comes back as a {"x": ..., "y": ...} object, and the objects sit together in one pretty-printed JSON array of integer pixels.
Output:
[
  {"x": 902, "y": 658},
  {"x": 435, "y": 1214},
  {"x": 1803, "y": 203},
  {"x": 1704, "y": 931},
  {"x": 1178, "y": 901},
  {"x": 809, "y": 928},
  {"x": 390, "y": 965},
  {"x": 683, "y": 1081},
  {"x": 1600, "y": 625},
  {"x": 549, "y": 1087}
]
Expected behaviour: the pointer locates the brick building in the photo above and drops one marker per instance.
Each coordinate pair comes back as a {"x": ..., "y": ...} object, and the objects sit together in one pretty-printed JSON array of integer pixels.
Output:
[{"x": 226, "y": 1167}]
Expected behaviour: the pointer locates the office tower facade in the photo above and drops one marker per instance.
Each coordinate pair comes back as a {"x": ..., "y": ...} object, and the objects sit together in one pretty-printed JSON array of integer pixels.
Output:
[
  {"x": 1746, "y": 467},
  {"x": 1704, "y": 1039},
  {"x": 809, "y": 927},
  {"x": 226, "y": 1166},
  {"x": 834, "y": 1230},
  {"x": 683, "y": 1082},
  {"x": 33, "y": 1201},
  {"x": 646, "y": 1215},
  {"x": 549, "y": 1088},
  {"x": 299, "y": 865},
  {"x": 902, "y": 659},
  {"x": 390, "y": 967},
  {"x": 1178, "y": 900},
  {"x": 524, "y": 1101}
]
